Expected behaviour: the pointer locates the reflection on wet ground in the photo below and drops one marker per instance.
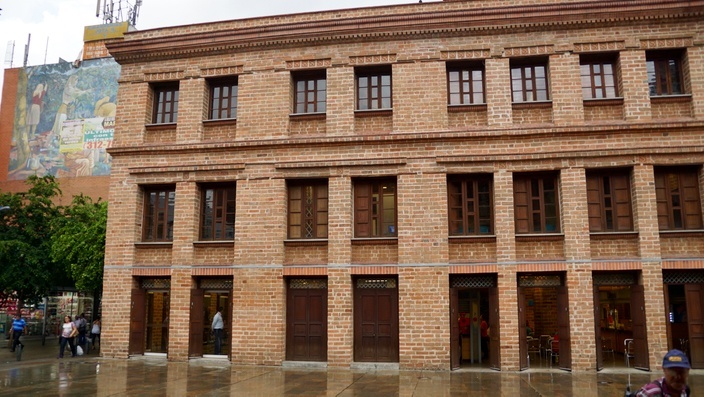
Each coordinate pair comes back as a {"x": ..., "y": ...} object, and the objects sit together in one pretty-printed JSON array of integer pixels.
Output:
[{"x": 94, "y": 376}]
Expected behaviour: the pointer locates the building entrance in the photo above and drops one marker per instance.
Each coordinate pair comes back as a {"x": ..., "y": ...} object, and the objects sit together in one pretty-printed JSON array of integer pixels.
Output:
[
  {"x": 306, "y": 319},
  {"x": 684, "y": 300},
  {"x": 619, "y": 321},
  {"x": 473, "y": 315},
  {"x": 376, "y": 320},
  {"x": 211, "y": 296},
  {"x": 544, "y": 322},
  {"x": 149, "y": 322}
]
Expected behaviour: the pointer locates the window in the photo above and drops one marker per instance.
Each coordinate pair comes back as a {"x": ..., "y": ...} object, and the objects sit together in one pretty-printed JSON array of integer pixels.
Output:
[
  {"x": 307, "y": 209},
  {"x": 311, "y": 92},
  {"x": 158, "y": 225},
  {"x": 470, "y": 205},
  {"x": 678, "y": 201},
  {"x": 223, "y": 99},
  {"x": 217, "y": 221},
  {"x": 465, "y": 84},
  {"x": 598, "y": 77},
  {"x": 165, "y": 103},
  {"x": 664, "y": 72},
  {"x": 373, "y": 88},
  {"x": 609, "y": 201},
  {"x": 536, "y": 205},
  {"x": 529, "y": 82},
  {"x": 375, "y": 208}
]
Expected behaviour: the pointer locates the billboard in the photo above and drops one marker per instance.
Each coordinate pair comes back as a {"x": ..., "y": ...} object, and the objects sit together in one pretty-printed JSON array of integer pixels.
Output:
[{"x": 64, "y": 119}]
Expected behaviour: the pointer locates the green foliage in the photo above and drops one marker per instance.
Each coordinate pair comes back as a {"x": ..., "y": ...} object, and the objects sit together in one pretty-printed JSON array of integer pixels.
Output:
[
  {"x": 27, "y": 272},
  {"x": 78, "y": 241}
]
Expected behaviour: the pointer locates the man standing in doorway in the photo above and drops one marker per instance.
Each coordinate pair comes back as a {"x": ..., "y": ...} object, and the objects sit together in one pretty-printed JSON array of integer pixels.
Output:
[
  {"x": 218, "y": 325},
  {"x": 19, "y": 327}
]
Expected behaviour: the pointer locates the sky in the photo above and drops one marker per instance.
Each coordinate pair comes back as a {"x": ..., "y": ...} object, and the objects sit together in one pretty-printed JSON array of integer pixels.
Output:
[{"x": 56, "y": 26}]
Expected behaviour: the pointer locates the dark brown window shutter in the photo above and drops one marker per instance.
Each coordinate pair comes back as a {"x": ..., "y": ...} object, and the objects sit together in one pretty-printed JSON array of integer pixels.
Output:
[
  {"x": 362, "y": 193},
  {"x": 521, "y": 202}
]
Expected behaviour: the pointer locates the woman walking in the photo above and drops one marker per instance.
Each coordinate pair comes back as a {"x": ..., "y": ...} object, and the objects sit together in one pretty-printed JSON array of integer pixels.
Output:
[
  {"x": 95, "y": 332},
  {"x": 68, "y": 333}
]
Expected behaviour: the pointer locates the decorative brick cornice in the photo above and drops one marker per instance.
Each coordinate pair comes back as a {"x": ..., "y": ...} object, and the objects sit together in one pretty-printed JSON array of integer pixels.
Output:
[
  {"x": 372, "y": 59},
  {"x": 675, "y": 42},
  {"x": 600, "y": 46},
  {"x": 222, "y": 71},
  {"x": 529, "y": 51},
  {"x": 415, "y": 20},
  {"x": 309, "y": 64},
  {"x": 164, "y": 76},
  {"x": 465, "y": 54}
]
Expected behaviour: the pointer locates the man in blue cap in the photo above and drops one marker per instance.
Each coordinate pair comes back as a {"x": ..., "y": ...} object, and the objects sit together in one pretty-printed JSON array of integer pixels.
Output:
[{"x": 676, "y": 367}]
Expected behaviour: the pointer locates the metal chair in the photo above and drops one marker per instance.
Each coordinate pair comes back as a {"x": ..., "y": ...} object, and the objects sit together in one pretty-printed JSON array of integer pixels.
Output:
[
  {"x": 554, "y": 350},
  {"x": 545, "y": 345},
  {"x": 533, "y": 347},
  {"x": 607, "y": 347},
  {"x": 628, "y": 351}
]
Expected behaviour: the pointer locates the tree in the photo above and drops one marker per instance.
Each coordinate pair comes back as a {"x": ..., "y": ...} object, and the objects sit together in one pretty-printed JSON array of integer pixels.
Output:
[
  {"x": 78, "y": 241},
  {"x": 27, "y": 273}
]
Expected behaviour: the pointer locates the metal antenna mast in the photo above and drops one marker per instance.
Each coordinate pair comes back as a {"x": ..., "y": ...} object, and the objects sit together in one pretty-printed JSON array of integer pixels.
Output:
[{"x": 111, "y": 14}]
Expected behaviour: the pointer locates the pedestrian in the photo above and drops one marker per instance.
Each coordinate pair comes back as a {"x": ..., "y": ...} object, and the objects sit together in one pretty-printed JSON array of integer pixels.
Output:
[
  {"x": 484, "y": 335},
  {"x": 19, "y": 327},
  {"x": 676, "y": 367},
  {"x": 68, "y": 333},
  {"x": 218, "y": 326},
  {"x": 81, "y": 326},
  {"x": 95, "y": 331}
]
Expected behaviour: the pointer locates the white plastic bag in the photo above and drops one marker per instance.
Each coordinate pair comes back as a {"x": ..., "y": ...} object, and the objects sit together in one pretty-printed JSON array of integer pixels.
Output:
[{"x": 79, "y": 351}]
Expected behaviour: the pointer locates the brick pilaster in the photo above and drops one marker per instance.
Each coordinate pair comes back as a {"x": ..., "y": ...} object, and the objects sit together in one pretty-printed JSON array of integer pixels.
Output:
[
  {"x": 504, "y": 219},
  {"x": 636, "y": 97},
  {"x": 695, "y": 62},
  {"x": 339, "y": 220},
  {"x": 498, "y": 92},
  {"x": 508, "y": 314},
  {"x": 192, "y": 108},
  {"x": 114, "y": 335},
  {"x": 186, "y": 221},
  {"x": 339, "y": 117},
  {"x": 419, "y": 96},
  {"x": 179, "y": 314},
  {"x": 567, "y": 103}
]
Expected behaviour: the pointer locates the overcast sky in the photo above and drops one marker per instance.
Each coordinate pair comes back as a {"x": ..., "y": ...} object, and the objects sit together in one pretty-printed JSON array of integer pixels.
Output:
[{"x": 56, "y": 26}]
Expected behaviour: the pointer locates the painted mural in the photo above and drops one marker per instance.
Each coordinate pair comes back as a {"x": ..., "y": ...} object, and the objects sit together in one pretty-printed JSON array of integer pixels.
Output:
[{"x": 64, "y": 119}]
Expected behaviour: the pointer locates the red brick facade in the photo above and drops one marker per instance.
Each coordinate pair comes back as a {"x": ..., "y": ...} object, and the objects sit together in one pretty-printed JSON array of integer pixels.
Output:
[{"x": 418, "y": 141}]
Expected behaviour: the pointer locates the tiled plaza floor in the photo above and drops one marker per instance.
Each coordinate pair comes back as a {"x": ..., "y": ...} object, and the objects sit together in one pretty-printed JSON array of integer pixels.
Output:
[{"x": 40, "y": 373}]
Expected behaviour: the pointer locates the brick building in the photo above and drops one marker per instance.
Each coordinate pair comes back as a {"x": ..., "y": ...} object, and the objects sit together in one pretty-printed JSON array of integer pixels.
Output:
[{"x": 360, "y": 186}]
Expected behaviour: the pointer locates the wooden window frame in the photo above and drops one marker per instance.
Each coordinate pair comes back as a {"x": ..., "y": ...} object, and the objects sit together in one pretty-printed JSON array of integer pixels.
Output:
[
  {"x": 223, "y": 98},
  {"x": 465, "y": 205},
  {"x": 465, "y": 87},
  {"x": 370, "y": 96},
  {"x": 661, "y": 81},
  {"x": 678, "y": 198},
  {"x": 311, "y": 208},
  {"x": 165, "y": 108},
  {"x": 528, "y": 82},
  {"x": 595, "y": 76},
  {"x": 369, "y": 221},
  {"x": 158, "y": 216},
  {"x": 308, "y": 85},
  {"x": 609, "y": 201},
  {"x": 531, "y": 200},
  {"x": 218, "y": 212}
]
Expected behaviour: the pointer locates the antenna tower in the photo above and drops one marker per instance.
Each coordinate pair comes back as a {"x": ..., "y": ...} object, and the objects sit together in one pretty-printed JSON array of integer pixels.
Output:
[{"x": 123, "y": 11}]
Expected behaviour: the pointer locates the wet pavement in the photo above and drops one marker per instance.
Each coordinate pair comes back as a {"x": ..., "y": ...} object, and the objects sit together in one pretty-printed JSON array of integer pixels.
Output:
[{"x": 40, "y": 373}]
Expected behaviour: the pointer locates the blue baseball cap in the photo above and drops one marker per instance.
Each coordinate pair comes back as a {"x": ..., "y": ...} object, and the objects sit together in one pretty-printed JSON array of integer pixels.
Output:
[{"x": 675, "y": 359}]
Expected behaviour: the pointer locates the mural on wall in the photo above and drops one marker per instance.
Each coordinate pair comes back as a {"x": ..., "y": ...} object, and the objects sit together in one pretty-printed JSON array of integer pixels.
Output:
[{"x": 64, "y": 119}]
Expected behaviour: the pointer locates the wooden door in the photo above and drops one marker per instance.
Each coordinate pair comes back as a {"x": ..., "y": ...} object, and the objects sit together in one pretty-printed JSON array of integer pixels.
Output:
[
  {"x": 494, "y": 334},
  {"x": 666, "y": 293},
  {"x": 694, "y": 296},
  {"x": 563, "y": 329},
  {"x": 306, "y": 325},
  {"x": 522, "y": 335},
  {"x": 138, "y": 315},
  {"x": 597, "y": 330},
  {"x": 640, "y": 337},
  {"x": 376, "y": 325},
  {"x": 454, "y": 329},
  {"x": 195, "y": 337}
]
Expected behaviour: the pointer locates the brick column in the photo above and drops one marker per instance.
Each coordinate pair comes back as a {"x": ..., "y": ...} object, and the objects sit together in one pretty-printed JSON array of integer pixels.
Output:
[
  {"x": 422, "y": 218},
  {"x": 504, "y": 224},
  {"x": 423, "y": 299},
  {"x": 498, "y": 92},
  {"x": 186, "y": 221},
  {"x": 340, "y": 317},
  {"x": 419, "y": 97},
  {"x": 134, "y": 110},
  {"x": 263, "y": 112},
  {"x": 115, "y": 331},
  {"x": 179, "y": 314},
  {"x": 695, "y": 63},
  {"x": 575, "y": 224},
  {"x": 260, "y": 225},
  {"x": 566, "y": 92},
  {"x": 646, "y": 221},
  {"x": 339, "y": 220},
  {"x": 192, "y": 108},
  {"x": 634, "y": 84},
  {"x": 339, "y": 119}
]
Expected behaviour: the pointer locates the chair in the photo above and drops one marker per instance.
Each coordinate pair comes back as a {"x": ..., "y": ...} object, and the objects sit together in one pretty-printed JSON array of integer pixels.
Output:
[
  {"x": 533, "y": 347},
  {"x": 607, "y": 347},
  {"x": 554, "y": 350},
  {"x": 628, "y": 351},
  {"x": 545, "y": 345}
]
